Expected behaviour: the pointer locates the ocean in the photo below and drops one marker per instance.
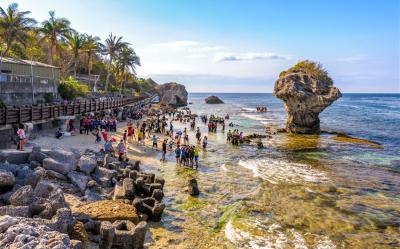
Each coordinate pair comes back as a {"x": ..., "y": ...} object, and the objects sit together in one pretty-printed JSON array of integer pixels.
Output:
[{"x": 300, "y": 191}]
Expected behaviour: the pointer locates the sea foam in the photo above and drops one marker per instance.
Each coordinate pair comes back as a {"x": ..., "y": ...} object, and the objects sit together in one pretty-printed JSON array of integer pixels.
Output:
[
  {"x": 275, "y": 171},
  {"x": 275, "y": 237}
]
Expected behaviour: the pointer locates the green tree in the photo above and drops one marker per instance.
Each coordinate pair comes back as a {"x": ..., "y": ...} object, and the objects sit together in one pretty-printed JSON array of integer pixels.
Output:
[
  {"x": 71, "y": 89},
  {"x": 126, "y": 63},
  {"x": 91, "y": 47},
  {"x": 76, "y": 43},
  {"x": 14, "y": 27},
  {"x": 111, "y": 47},
  {"x": 54, "y": 30}
]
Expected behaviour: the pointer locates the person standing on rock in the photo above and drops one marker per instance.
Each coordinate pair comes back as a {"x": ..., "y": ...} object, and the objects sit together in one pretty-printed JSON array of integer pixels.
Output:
[{"x": 21, "y": 137}]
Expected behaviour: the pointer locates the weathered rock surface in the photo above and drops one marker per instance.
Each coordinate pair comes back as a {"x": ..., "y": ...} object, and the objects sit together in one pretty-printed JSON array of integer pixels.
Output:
[
  {"x": 18, "y": 232},
  {"x": 15, "y": 156},
  {"x": 87, "y": 164},
  {"x": 22, "y": 197},
  {"x": 109, "y": 210},
  {"x": 6, "y": 178},
  {"x": 213, "y": 100},
  {"x": 172, "y": 94},
  {"x": 78, "y": 179},
  {"x": 306, "y": 90},
  {"x": 193, "y": 187},
  {"x": 58, "y": 166}
]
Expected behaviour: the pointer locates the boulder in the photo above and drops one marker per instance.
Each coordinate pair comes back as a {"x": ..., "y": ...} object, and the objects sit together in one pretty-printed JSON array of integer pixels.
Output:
[
  {"x": 172, "y": 94},
  {"x": 213, "y": 100},
  {"x": 104, "y": 176},
  {"x": 306, "y": 89},
  {"x": 15, "y": 156},
  {"x": 78, "y": 179},
  {"x": 9, "y": 167},
  {"x": 6, "y": 221},
  {"x": 193, "y": 188},
  {"x": 108, "y": 210},
  {"x": 37, "y": 155},
  {"x": 30, "y": 233},
  {"x": 6, "y": 178},
  {"x": 63, "y": 155},
  {"x": 26, "y": 176},
  {"x": 87, "y": 164},
  {"x": 22, "y": 197},
  {"x": 58, "y": 166},
  {"x": 55, "y": 174},
  {"x": 44, "y": 189},
  {"x": 20, "y": 211}
]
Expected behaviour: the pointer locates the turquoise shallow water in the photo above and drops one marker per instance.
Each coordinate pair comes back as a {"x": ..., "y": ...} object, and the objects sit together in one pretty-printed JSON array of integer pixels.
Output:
[{"x": 297, "y": 192}]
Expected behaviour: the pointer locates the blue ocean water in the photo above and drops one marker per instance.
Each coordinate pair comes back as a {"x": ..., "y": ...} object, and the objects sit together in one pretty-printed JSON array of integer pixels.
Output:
[
  {"x": 299, "y": 191},
  {"x": 375, "y": 117}
]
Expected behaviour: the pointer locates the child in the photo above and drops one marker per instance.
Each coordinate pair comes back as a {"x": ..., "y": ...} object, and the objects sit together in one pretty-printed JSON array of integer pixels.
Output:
[{"x": 21, "y": 137}]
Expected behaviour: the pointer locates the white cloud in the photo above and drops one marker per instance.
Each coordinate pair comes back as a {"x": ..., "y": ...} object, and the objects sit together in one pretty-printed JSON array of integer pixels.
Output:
[
  {"x": 351, "y": 58},
  {"x": 196, "y": 56},
  {"x": 220, "y": 57}
]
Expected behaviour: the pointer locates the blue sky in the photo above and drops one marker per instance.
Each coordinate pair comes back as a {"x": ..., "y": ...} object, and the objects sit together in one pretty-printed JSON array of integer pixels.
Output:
[{"x": 241, "y": 46}]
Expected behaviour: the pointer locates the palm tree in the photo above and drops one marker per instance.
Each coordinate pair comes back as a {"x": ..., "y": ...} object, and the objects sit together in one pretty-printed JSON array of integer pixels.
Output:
[
  {"x": 53, "y": 30},
  {"x": 126, "y": 62},
  {"x": 91, "y": 47},
  {"x": 111, "y": 48},
  {"x": 76, "y": 43},
  {"x": 14, "y": 27}
]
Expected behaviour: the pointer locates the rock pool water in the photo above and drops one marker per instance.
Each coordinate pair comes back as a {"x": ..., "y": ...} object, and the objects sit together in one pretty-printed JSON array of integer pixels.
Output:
[{"x": 298, "y": 192}]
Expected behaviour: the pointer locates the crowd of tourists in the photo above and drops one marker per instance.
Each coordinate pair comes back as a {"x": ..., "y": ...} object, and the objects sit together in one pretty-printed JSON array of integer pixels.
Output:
[{"x": 235, "y": 137}]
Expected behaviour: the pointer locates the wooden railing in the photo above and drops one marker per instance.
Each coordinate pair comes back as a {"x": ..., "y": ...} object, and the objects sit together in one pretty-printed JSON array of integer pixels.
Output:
[{"x": 23, "y": 114}]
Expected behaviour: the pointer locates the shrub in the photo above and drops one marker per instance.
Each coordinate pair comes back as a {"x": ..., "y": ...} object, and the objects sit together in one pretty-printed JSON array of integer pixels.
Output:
[
  {"x": 113, "y": 88},
  {"x": 314, "y": 69},
  {"x": 71, "y": 89},
  {"x": 48, "y": 97}
]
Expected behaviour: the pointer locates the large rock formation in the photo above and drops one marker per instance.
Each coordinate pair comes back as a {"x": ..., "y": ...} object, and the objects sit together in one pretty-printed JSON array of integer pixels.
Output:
[
  {"x": 306, "y": 90},
  {"x": 172, "y": 94},
  {"x": 213, "y": 100}
]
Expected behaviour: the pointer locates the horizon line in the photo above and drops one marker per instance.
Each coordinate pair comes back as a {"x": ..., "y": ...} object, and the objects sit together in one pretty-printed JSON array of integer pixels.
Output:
[{"x": 272, "y": 92}]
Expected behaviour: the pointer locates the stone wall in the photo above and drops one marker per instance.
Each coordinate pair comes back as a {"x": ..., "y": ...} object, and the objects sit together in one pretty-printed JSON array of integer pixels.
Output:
[{"x": 21, "y": 93}]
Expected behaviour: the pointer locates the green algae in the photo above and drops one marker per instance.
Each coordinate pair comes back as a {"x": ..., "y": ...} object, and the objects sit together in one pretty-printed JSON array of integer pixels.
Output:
[{"x": 193, "y": 204}]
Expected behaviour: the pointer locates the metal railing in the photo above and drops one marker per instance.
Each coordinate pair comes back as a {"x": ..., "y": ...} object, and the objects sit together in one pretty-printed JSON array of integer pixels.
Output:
[{"x": 23, "y": 114}]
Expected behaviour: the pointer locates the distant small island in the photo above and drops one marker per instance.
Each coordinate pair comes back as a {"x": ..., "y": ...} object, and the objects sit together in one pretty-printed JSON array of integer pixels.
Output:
[{"x": 213, "y": 100}]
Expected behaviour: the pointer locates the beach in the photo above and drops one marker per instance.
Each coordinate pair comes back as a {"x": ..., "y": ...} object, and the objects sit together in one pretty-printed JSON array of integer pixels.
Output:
[{"x": 300, "y": 191}]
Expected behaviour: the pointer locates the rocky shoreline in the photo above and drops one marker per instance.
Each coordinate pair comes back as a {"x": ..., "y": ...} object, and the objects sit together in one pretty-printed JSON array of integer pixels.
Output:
[{"x": 116, "y": 200}]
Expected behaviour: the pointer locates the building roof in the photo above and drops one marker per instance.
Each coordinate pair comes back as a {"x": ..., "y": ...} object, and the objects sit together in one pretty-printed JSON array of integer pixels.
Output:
[{"x": 27, "y": 62}]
